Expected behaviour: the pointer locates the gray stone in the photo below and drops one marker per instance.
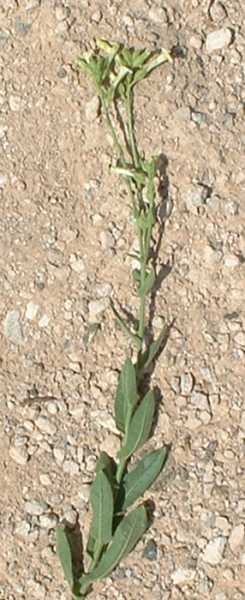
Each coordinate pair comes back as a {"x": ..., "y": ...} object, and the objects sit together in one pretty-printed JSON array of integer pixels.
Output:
[
  {"x": 22, "y": 529},
  {"x": 214, "y": 551},
  {"x": 12, "y": 327},
  {"x": 35, "y": 508},
  {"x": 44, "y": 321},
  {"x": 77, "y": 264},
  {"x": 71, "y": 467},
  {"x": 96, "y": 307},
  {"x": 198, "y": 117},
  {"x": 107, "y": 240},
  {"x": 200, "y": 400},
  {"x": 59, "y": 455},
  {"x": 219, "y": 39}
]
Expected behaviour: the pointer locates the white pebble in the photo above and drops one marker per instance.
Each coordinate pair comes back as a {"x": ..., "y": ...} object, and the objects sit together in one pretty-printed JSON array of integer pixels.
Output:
[
  {"x": 236, "y": 538},
  {"x": 231, "y": 261},
  {"x": 107, "y": 240},
  {"x": 23, "y": 529},
  {"x": 48, "y": 521},
  {"x": 200, "y": 400},
  {"x": 92, "y": 109},
  {"x": 31, "y": 311},
  {"x": 96, "y": 307},
  {"x": 35, "y": 508},
  {"x": 3, "y": 180},
  {"x": 84, "y": 492},
  {"x": 14, "y": 103},
  {"x": 183, "y": 576},
  {"x": 77, "y": 264},
  {"x": 239, "y": 338},
  {"x": 214, "y": 550},
  {"x": 19, "y": 454},
  {"x": 45, "y": 479},
  {"x": 44, "y": 321},
  {"x": 59, "y": 455},
  {"x": 45, "y": 425},
  {"x": 70, "y": 467},
  {"x": 217, "y": 40}
]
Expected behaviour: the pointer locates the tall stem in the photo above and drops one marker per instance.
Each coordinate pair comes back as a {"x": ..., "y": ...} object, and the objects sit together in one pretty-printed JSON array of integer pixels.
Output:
[{"x": 129, "y": 108}]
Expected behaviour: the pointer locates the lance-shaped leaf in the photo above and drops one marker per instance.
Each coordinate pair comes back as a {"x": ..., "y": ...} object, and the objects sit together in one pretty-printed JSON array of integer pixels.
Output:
[
  {"x": 139, "y": 427},
  {"x": 101, "y": 497},
  {"x": 126, "y": 395},
  {"x": 137, "y": 481},
  {"x": 64, "y": 553},
  {"x": 128, "y": 533}
]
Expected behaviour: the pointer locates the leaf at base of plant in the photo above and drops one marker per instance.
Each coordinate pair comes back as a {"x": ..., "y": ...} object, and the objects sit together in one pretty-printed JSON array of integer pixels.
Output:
[
  {"x": 101, "y": 497},
  {"x": 64, "y": 553},
  {"x": 126, "y": 536}
]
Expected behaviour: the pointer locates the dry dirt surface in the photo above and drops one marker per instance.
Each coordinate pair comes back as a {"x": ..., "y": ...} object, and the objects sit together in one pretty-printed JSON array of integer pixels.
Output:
[{"x": 65, "y": 230}]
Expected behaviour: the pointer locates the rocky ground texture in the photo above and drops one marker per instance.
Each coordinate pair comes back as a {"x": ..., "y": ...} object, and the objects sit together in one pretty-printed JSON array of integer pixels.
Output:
[{"x": 64, "y": 235}]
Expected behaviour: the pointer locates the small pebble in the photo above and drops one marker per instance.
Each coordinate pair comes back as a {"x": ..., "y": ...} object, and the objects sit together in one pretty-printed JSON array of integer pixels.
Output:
[
  {"x": 231, "y": 261},
  {"x": 12, "y": 327},
  {"x": 217, "y": 40},
  {"x": 150, "y": 550},
  {"x": 198, "y": 117},
  {"x": 19, "y": 454},
  {"x": 70, "y": 467},
  {"x": 92, "y": 109},
  {"x": 183, "y": 576},
  {"x": 59, "y": 455},
  {"x": 77, "y": 264},
  {"x": 3, "y": 181},
  {"x": 44, "y": 321},
  {"x": 35, "y": 508},
  {"x": 107, "y": 240},
  {"x": 200, "y": 400},
  {"x": 84, "y": 492},
  {"x": 214, "y": 551},
  {"x": 48, "y": 521},
  {"x": 31, "y": 311},
  {"x": 239, "y": 339},
  {"x": 186, "y": 384},
  {"x": 23, "y": 529},
  {"x": 45, "y": 425},
  {"x": 14, "y": 103},
  {"x": 236, "y": 538},
  {"x": 45, "y": 479},
  {"x": 96, "y": 307}
]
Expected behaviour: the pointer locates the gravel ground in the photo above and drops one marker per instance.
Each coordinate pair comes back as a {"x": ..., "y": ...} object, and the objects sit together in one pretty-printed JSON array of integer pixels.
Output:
[{"x": 64, "y": 235}]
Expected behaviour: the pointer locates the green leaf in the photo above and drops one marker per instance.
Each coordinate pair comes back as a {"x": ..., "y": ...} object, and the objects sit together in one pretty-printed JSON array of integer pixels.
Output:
[
  {"x": 101, "y": 498},
  {"x": 136, "y": 275},
  {"x": 149, "y": 355},
  {"x": 158, "y": 60},
  {"x": 64, "y": 553},
  {"x": 106, "y": 463},
  {"x": 139, "y": 427},
  {"x": 148, "y": 283},
  {"x": 128, "y": 533},
  {"x": 126, "y": 395},
  {"x": 137, "y": 481},
  {"x": 123, "y": 324}
]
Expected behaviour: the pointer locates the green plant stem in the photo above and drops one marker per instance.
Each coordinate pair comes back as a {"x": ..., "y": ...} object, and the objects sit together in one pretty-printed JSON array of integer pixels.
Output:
[{"x": 129, "y": 109}]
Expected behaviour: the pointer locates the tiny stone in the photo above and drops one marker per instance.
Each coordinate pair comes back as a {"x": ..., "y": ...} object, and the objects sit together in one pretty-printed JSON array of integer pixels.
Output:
[
  {"x": 200, "y": 400},
  {"x": 150, "y": 550},
  {"x": 195, "y": 197},
  {"x": 35, "y": 508},
  {"x": 239, "y": 338},
  {"x": 70, "y": 467},
  {"x": 3, "y": 180},
  {"x": 195, "y": 42},
  {"x": 59, "y": 455},
  {"x": 48, "y": 521},
  {"x": 214, "y": 550},
  {"x": 217, "y": 40},
  {"x": 92, "y": 109},
  {"x": 96, "y": 16},
  {"x": 23, "y": 529},
  {"x": 45, "y": 425},
  {"x": 12, "y": 328},
  {"x": 84, "y": 492},
  {"x": 107, "y": 240},
  {"x": 90, "y": 463},
  {"x": 68, "y": 235},
  {"x": 183, "y": 113},
  {"x": 52, "y": 408},
  {"x": 31, "y": 311},
  {"x": 183, "y": 576},
  {"x": 61, "y": 13},
  {"x": 44, "y": 321},
  {"x": 96, "y": 307},
  {"x": 104, "y": 290},
  {"x": 14, "y": 103},
  {"x": 198, "y": 117},
  {"x": 80, "y": 454},
  {"x": 77, "y": 264},
  {"x": 19, "y": 454},
  {"x": 45, "y": 479},
  {"x": 223, "y": 524},
  {"x": 236, "y": 538},
  {"x": 231, "y": 261},
  {"x": 186, "y": 384}
]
